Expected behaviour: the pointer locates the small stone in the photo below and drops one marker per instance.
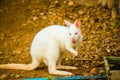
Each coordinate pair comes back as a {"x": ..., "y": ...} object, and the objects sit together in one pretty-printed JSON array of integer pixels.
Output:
[
  {"x": 85, "y": 66},
  {"x": 41, "y": 13},
  {"x": 65, "y": 2},
  {"x": 44, "y": 17},
  {"x": 85, "y": 19},
  {"x": 17, "y": 76},
  {"x": 0, "y": 53},
  {"x": 81, "y": 12},
  {"x": 56, "y": 2},
  {"x": 108, "y": 50},
  {"x": 70, "y": 3},
  {"x": 1, "y": 10},
  {"x": 94, "y": 71},
  {"x": 85, "y": 73},
  {"x": 3, "y": 76},
  {"x": 59, "y": 18},
  {"x": 35, "y": 18},
  {"x": 114, "y": 14},
  {"x": 17, "y": 51},
  {"x": 24, "y": 24},
  {"x": 102, "y": 71},
  {"x": 66, "y": 59}
]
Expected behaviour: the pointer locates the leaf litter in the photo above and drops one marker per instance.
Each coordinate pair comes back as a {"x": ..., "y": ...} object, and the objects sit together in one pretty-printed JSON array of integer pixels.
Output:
[{"x": 21, "y": 20}]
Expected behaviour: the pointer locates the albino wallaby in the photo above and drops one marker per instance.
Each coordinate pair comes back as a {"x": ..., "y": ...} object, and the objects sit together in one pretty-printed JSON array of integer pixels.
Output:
[{"x": 48, "y": 46}]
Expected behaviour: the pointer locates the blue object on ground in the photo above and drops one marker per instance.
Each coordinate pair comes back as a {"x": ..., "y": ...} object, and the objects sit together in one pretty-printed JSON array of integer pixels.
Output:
[
  {"x": 71, "y": 78},
  {"x": 35, "y": 79},
  {"x": 81, "y": 77}
]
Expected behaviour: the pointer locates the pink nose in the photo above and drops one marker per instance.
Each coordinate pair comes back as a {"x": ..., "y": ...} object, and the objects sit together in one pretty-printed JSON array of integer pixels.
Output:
[{"x": 73, "y": 40}]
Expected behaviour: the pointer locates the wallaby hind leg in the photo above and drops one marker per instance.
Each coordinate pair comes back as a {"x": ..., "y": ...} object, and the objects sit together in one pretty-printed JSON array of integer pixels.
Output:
[
  {"x": 35, "y": 63},
  {"x": 66, "y": 67},
  {"x": 53, "y": 55},
  {"x": 52, "y": 69},
  {"x": 59, "y": 66}
]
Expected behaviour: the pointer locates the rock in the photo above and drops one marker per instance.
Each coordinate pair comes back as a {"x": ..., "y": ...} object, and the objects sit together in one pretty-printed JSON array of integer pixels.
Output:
[
  {"x": 41, "y": 13},
  {"x": 92, "y": 21},
  {"x": 35, "y": 18},
  {"x": 104, "y": 3},
  {"x": 102, "y": 71},
  {"x": 66, "y": 59},
  {"x": 86, "y": 74},
  {"x": 3, "y": 76},
  {"x": 81, "y": 12},
  {"x": 17, "y": 76},
  {"x": 44, "y": 17},
  {"x": 85, "y": 66},
  {"x": 94, "y": 71},
  {"x": 108, "y": 50},
  {"x": 17, "y": 51},
  {"x": 64, "y": 1},
  {"x": 70, "y": 3},
  {"x": 0, "y": 53},
  {"x": 85, "y": 19},
  {"x": 56, "y": 2},
  {"x": 1, "y": 11},
  {"x": 111, "y": 3},
  {"x": 114, "y": 13}
]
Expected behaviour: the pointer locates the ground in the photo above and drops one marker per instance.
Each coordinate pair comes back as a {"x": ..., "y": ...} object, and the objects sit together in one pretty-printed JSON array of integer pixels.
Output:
[{"x": 20, "y": 20}]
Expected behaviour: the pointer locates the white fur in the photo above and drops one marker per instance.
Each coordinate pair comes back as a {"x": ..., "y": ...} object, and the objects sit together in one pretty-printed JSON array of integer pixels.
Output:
[{"x": 48, "y": 45}]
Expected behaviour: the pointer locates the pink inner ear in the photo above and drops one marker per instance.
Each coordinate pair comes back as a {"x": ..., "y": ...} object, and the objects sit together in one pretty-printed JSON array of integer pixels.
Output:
[{"x": 77, "y": 23}]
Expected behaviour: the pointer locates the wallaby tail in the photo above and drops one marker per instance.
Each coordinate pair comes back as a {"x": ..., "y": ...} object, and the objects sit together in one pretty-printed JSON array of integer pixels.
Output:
[{"x": 30, "y": 66}]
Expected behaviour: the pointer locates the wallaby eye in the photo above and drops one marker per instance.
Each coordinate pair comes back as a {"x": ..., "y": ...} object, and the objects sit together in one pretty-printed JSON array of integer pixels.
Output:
[
  {"x": 69, "y": 33},
  {"x": 76, "y": 33}
]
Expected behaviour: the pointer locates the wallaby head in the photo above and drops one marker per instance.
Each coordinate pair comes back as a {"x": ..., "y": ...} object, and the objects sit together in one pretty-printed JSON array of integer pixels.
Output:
[{"x": 74, "y": 30}]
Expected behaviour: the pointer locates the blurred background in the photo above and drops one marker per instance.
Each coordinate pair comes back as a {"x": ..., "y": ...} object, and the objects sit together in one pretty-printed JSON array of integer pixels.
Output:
[{"x": 20, "y": 20}]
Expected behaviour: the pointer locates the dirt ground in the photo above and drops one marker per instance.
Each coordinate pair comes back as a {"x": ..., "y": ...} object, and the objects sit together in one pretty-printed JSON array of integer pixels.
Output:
[{"x": 20, "y": 20}]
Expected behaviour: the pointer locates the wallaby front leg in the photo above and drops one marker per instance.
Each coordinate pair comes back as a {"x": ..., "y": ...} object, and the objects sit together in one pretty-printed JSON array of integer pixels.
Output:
[{"x": 71, "y": 50}]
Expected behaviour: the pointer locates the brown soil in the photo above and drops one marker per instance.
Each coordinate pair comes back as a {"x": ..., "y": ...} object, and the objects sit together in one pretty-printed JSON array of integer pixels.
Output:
[{"x": 20, "y": 20}]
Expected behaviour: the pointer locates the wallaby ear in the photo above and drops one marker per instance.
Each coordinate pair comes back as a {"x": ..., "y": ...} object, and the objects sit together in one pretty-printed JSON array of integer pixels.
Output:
[
  {"x": 77, "y": 23},
  {"x": 67, "y": 23}
]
